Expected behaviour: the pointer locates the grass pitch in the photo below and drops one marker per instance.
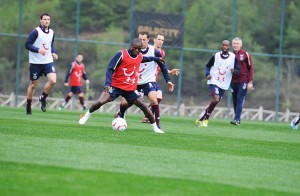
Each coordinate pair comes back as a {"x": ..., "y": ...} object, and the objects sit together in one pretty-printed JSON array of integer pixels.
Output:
[{"x": 51, "y": 154}]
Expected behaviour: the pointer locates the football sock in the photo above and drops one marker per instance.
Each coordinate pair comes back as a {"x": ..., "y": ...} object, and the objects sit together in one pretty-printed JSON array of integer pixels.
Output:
[
  {"x": 81, "y": 100},
  {"x": 28, "y": 103},
  {"x": 158, "y": 100},
  {"x": 154, "y": 125},
  {"x": 155, "y": 109},
  {"x": 44, "y": 96},
  {"x": 297, "y": 120},
  {"x": 88, "y": 113},
  {"x": 67, "y": 99},
  {"x": 210, "y": 108}
]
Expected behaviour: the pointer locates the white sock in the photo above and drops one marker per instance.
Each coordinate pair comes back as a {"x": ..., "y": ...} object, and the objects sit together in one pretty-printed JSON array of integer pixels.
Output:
[
  {"x": 88, "y": 113},
  {"x": 154, "y": 125}
]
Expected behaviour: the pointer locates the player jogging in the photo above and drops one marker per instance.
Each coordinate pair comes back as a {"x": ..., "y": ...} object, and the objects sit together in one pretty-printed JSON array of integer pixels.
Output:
[
  {"x": 121, "y": 79},
  {"x": 219, "y": 70},
  {"x": 76, "y": 72},
  {"x": 41, "y": 55}
]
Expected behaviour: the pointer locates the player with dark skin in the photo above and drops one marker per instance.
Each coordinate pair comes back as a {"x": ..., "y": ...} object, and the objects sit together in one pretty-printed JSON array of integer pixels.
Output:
[
  {"x": 108, "y": 93},
  {"x": 219, "y": 70}
]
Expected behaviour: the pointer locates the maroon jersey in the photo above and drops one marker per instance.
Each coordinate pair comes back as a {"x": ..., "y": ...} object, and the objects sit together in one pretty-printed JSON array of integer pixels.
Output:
[
  {"x": 125, "y": 76},
  {"x": 246, "y": 72}
]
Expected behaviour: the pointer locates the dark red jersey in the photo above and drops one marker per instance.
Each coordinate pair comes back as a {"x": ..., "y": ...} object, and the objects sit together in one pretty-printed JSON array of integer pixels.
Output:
[
  {"x": 246, "y": 72},
  {"x": 125, "y": 76}
]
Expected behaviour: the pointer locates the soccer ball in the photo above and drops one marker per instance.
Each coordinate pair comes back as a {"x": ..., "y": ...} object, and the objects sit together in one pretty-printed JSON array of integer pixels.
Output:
[{"x": 119, "y": 124}]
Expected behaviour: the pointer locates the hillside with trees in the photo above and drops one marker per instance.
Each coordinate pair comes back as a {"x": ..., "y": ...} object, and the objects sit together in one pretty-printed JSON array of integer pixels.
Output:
[{"x": 105, "y": 26}]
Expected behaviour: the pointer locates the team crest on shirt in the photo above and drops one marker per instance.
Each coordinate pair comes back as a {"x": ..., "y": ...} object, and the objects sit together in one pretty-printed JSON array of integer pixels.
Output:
[{"x": 241, "y": 57}]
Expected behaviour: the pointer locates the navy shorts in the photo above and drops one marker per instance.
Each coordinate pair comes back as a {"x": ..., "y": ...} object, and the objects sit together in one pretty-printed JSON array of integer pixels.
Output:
[
  {"x": 130, "y": 96},
  {"x": 158, "y": 88},
  {"x": 76, "y": 89},
  {"x": 215, "y": 90},
  {"x": 148, "y": 87},
  {"x": 37, "y": 70}
]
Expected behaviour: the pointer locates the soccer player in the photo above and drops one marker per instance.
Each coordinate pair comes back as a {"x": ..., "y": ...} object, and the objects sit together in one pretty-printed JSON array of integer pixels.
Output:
[
  {"x": 158, "y": 43},
  {"x": 76, "y": 72},
  {"x": 295, "y": 122},
  {"x": 41, "y": 55},
  {"x": 121, "y": 79},
  {"x": 219, "y": 70},
  {"x": 242, "y": 81},
  {"x": 147, "y": 78}
]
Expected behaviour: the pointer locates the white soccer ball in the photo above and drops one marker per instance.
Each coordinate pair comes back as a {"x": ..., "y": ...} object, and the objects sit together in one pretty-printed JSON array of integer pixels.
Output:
[{"x": 119, "y": 124}]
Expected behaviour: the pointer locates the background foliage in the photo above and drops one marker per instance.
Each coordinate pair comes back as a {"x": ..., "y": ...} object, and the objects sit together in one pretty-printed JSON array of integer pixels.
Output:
[{"x": 207, "y": 24}]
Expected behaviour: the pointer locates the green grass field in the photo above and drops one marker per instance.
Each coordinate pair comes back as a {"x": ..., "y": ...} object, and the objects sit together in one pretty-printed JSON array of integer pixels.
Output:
[{"x": 51, "y": 154}]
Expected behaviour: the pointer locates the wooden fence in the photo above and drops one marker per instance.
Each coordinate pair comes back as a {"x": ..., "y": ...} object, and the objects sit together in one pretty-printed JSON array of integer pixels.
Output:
[{"x": 259, "y": 114}]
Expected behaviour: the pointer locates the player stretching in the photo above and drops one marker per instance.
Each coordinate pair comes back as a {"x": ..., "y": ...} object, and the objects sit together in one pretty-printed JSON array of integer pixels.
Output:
[
  {"x": 76, "y": 72},
  {"x": 158, "y": 43},
  {"x": 295, "y": 122},
  {"x": 147, "y": 79},
  {"x": 41, "y": 55},
  {"x": 242, "y": 81},
  {"x": 219, "y": 70},
  {"x": 121, "y": 79}
]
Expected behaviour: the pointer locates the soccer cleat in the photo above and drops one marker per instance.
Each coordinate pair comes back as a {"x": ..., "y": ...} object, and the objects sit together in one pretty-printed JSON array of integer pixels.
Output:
[
  {"x": 198, "y": 123},
  {"x": 204, "y": 123},
  {"x": 294, "y": 126},
  {"x": 83, "y": 119},
  {"x": 235, "y": 122},
  {"x": 43, "y": 104},
  {"x": 145, "y": 120},
  {"x": 28, "y": 110},
  {"x": 158, "y": 130}
]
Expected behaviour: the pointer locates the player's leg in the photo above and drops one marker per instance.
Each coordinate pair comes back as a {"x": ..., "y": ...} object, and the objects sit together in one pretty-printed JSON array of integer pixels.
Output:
[
  {"x": 81, "y": 100},
  {"x": 48, "y": 71},
  {"x": 67, "y": 98},
  {"x": 217, "y": 94},
  {"x": 142, "y": 105},
  {"x": 30, "y": 92},
  {"x": 152, "y": 96},
  {"x": 104, "y": 98},
  {"x": 234, "y": 93},
  {"x": 124, "y": 105},
  {"x": 295, "y": 122},
  {"x": 240, "y": 101},
  {"x": 34, "y": 74}
]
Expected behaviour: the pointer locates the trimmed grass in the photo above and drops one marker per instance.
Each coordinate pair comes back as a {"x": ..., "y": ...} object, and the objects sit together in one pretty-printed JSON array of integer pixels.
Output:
[{"x": 51, "y": 154}]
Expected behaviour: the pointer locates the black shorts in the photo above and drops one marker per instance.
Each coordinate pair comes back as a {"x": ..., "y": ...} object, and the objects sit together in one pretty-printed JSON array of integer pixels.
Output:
[
  {"x": 130, "y": 96},
  {"x": 76, "y": 89},
  {"x": 148, "y": 87},
  {"x": 37, "y": 70}
]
